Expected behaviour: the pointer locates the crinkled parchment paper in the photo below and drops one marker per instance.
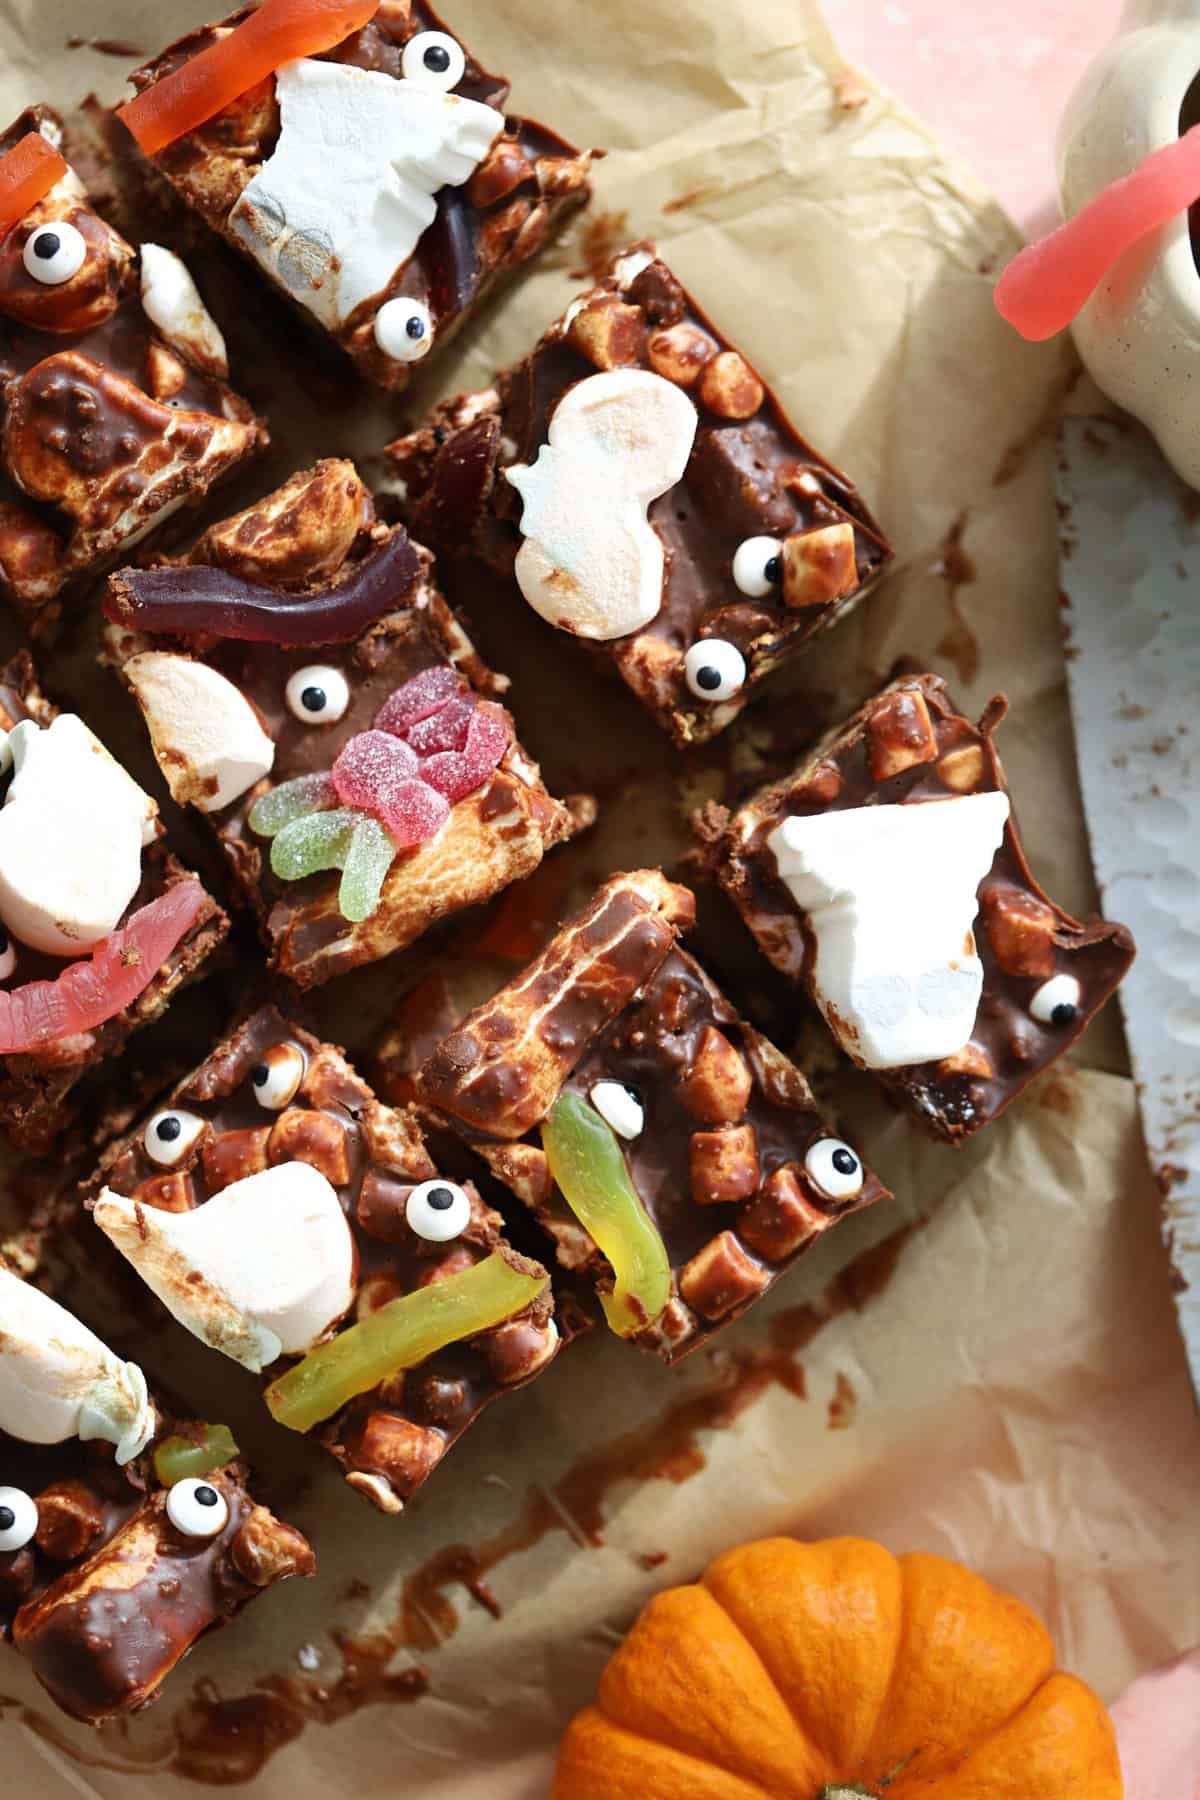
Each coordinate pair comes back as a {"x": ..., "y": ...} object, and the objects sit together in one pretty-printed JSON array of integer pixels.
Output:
[{"x": 991, "y": 1366}]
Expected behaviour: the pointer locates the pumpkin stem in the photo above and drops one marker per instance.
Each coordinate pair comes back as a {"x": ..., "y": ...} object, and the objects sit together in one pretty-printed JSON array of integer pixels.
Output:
[{"x": 845, "y": 1793}]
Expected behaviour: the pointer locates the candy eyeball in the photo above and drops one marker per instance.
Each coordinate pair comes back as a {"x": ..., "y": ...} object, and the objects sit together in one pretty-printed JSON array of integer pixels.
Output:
[
  {"x": 1057, "y": 1001},
  {"x": 318, "y": 695},
  {"x": 757, "y": 566},
  {"x": 714, "y": 669},
  {"x": 18, "y": 1519},
  {"x": 8, "y": 956},
  {"x": 835, "y": 1169},
  {"x": 619, "y": 1107},
  {"x": 404, "y": 330},
  {"x": 197, "y": 1508},
  {"x": 438, "y": 1211},
  {"x": 434, "y": 60},
  {"x": 171, "y": 1135},
  {"x": 276, "y": 1077},
  {"x": 53, "y": 253}
]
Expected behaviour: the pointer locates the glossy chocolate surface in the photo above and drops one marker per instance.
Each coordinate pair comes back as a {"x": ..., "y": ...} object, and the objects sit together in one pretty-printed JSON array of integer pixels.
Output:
[
  {"x": 36, "y": 1087},
  {"x": 1007, "y": 1040},
  {"x": 373, "y": 1156},
  {"x": 483, "y": 231},
  {"x": 747, "y": 477},
  {"x": 614, "y": 998}
]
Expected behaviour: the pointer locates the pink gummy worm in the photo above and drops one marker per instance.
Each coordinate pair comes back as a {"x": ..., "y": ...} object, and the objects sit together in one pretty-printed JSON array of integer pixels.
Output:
[{"x": 1044, "y": 286}]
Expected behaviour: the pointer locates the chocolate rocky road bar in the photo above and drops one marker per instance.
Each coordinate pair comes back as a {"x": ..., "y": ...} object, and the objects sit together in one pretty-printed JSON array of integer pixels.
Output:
[
  {"x": 100, "y": 925},
  {"x": 643, "y": 490},
  {"x": 676, "y": 1157},
  {"x": 123, "y": 1538},
  {"x": 918, "y": 929},
  {"x": 307, "y": 688},
  {"x": 381, "y": 185},
  {"x": 281, "y": 1212},
  {"x": 116, "y": 408}
]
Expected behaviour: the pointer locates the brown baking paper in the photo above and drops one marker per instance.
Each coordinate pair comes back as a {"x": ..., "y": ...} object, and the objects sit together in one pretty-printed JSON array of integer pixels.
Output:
[{"x": 988, "y": 1367}]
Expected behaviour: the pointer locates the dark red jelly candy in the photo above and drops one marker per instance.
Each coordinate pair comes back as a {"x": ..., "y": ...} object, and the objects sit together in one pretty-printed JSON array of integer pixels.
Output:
[
  {"x": 445, "y": 729},
  {"x": 457, "y": 773},
  {"x": 424, "y": 695}
]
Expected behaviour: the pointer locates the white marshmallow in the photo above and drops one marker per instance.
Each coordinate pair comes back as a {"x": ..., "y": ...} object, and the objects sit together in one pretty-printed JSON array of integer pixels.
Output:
[
  {"x": 341, "y": 203},
  {"x": 72, "y": 830},
  {"x": 263, "y": 1269},
  {"x": 171, "y": 301},
  {"x": 58, "y": 1381},
  {"x": 207, "y": 737},
  {"x": 890, "y": 894},
  {"x": 591, "y": 562}
]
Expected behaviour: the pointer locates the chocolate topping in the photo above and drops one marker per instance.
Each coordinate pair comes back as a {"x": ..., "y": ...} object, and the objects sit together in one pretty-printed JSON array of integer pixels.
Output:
[
  {"x": 910, "y": 744},
  {"x": 373, "y": 1156}
]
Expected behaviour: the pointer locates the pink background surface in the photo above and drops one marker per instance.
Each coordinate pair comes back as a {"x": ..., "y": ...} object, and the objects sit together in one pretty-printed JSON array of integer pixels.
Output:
[{"x": 990, "y": 75}]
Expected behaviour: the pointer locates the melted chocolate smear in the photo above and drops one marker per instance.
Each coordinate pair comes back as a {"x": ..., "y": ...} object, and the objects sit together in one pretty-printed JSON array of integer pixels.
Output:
[
  {"x": 669, "y": 1448},
  {"x": 602, "y": 236},
  {"x": 108, "y": 47},
  {"x": 957, "y": 569}
]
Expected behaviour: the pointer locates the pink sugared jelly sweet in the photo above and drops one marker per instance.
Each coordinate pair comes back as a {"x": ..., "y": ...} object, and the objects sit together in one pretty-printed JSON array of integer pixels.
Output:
[
  {"x": 457, "y": 773},
  {"x": 445, "y": 729},
  {"x": 418, "y": 699},
  {"x": 369, "y": 767},
  {"x": 1044, "y": 287},
  {"x": 414, "y": 813}
]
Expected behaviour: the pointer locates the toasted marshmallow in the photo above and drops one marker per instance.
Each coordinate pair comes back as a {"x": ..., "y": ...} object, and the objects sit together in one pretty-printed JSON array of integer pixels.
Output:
[
  {"x": 591, "y": 562},
  {"x": 72, "y": 830},
  {"x": 207, "y": 737},
  {"x": 58, "y": 1381},
  {"x": 171, "y": 301},
  {"x": 339, "y": 206},
  {"x": 890, "y": 894},
  {"x": 263, "y": 1269}
]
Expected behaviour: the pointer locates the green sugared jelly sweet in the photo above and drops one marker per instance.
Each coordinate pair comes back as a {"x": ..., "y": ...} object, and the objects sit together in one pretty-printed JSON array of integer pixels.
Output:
[{"x": 180, "y": 1458}]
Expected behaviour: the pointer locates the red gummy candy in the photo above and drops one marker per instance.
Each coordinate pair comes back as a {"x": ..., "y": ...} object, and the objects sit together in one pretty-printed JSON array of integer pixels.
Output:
[
  {"x": 120, "y": 968},
  {"x": 371, "y": 766},
  {"x": 418, "y": 699},
  {"x": 414, "y": 813},
  {"x": 457, "y": 773},
  {"x": 1049, "y": 282},
  {"x": 445, "y": 729}
]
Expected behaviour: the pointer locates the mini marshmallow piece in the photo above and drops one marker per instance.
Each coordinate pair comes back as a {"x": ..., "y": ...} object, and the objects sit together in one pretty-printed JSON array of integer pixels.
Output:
[
  {"x": 263, "y": 1269},
  {"x": 342, "y": 201},
  {"x": 591, "y": 562},
  {"x": 72, "y": 830},
  {"x": 619, "y": 1107},
  {"x": 890, "y": 894},
  {"x": 207, "y": 738},
  {"x": 58, "y": 1381},
  {"x": 171, "y": 301}
]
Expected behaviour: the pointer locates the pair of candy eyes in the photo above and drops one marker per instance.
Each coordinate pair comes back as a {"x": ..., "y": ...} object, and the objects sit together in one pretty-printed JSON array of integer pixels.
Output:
[
  {"x": 171, "y": 1134},
  {"x": 195, "y": 1508},
  {"x": 713, "y": 668},
  {"x": 831, "y": 1165}
]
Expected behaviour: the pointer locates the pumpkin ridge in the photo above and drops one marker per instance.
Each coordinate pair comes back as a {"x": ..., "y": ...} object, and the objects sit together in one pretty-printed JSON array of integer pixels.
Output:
[
  {"x": 767, "y": 1676},
  {"x": 959, "y": 1757},
  {"x": 683, "y": 1756}
]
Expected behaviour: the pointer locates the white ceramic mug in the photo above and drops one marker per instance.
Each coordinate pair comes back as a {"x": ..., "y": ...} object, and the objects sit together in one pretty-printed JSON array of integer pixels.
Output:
[{"x": 1139, "y": 334}]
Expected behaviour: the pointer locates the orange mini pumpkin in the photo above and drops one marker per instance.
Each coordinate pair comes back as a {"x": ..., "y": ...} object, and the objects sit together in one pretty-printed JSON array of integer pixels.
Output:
[{"x": 832, "y": 1671}]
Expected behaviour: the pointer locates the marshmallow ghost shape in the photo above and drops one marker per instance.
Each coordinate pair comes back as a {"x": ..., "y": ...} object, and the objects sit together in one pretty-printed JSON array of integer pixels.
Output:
[
  {"x": 72, "y": 830},
  {"x": 591, "y": 562},
  {"x": 58, "y": 1381},
  {"x": 263, "y": 1269},
  {"x": 896, "y": 973},
  {"x": 340, "y": 205},
  {"x": 207, "y": 738}
]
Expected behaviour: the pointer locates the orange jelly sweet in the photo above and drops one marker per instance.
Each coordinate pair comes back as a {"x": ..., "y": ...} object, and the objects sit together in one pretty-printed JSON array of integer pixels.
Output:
[
  {"x": 279, "y": 32},
  {"x": 27, "y": 174}
]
